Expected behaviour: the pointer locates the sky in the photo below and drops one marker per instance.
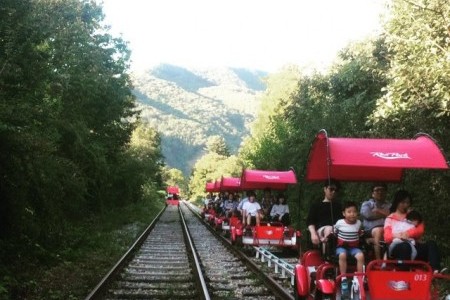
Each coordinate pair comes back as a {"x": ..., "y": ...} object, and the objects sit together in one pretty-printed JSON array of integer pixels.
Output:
[{"x": 255, "y": 34}]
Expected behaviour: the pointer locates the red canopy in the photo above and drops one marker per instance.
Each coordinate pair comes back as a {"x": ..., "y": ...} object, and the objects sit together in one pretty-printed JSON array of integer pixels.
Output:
[
  {"x": 262, "y": 179},
  {"x": 359, "y": 159},
  {"x": 173, "y": 190},
  {"x": 210, "y": 187},
  {"x": 217, "y": 185},
  {"x": 231, "y": 184}
]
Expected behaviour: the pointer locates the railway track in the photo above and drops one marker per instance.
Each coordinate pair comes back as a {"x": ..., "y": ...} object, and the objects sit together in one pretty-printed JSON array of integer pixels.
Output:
[
  {"x": 161, "y": 266},
  {"x": 179, "y": 258}
]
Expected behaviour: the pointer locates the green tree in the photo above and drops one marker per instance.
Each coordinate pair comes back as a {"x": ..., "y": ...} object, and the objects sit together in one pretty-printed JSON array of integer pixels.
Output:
[
  {"x": 66, "y": 119},
  {"x": 211, "y": 167},
  {"x": 144, "y": 166},
  {"x": 268, "y": 131},
  {"x": 217, "y": 144},
  {"x": 417, "y": 97},
  {"x": 175, "y": 177},
  {"x": 339, "y": 100},
  {"x": 280, "y": 86}
]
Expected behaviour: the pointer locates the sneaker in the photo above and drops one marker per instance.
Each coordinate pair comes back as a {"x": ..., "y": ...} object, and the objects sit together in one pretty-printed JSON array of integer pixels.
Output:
[{"x": 344, "y": 287}]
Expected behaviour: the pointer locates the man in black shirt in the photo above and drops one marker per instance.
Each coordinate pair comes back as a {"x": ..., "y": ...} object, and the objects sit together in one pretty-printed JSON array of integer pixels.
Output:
[{"x": 324, "y": 214}]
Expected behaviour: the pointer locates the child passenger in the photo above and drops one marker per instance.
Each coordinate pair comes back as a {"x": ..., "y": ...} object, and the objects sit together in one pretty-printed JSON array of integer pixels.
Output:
[
  {"x": 348, "y": 231},
  {"x": 413, "y": 219}
]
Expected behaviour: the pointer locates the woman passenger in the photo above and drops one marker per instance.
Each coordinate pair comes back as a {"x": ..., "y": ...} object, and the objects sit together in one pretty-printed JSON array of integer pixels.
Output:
[
  {"x": 426, "y": 251},
  {"x": 280, "y": 211}
]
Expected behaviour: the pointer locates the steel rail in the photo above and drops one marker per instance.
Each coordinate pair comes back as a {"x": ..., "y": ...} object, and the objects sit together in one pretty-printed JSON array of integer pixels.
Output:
[
  {"x": 197, "y": 267},
  {"x": 101, "y": 286},
  {"x": 276, "y": 288}
]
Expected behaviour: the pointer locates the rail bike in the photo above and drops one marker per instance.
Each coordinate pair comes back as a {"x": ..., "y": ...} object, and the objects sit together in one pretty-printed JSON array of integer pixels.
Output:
[
  {"x": 172, "y": 197},
  {"x": 209, "y": 212},
  {"x": 221, "y": 222},
  {"x": 267, "y": 233},
  {"x": 356, "y": 159}
]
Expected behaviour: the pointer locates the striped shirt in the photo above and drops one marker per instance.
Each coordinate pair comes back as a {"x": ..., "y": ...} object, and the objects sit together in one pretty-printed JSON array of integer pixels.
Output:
[{"x": 347, "y": 234}]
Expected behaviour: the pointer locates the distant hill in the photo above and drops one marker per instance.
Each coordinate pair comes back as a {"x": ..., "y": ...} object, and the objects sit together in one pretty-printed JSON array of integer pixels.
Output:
[{"x": 187, "y": 106}]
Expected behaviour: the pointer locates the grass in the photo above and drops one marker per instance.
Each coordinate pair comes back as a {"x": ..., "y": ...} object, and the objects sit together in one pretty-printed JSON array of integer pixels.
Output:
[{"x": 92, "y": 248}]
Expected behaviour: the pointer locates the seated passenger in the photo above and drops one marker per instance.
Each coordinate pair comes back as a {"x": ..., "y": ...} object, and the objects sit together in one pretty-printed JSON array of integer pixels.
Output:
[
  {"x": 426, "y": 251},
  {"x": 280, "y": 211},
  {"x": 203, "y": 211},
  {"x": 210, "y": 210},
  {"x": 207, "y": 199},
  {"x": 234, "y": 210},
  {"x": 324, "y": 214},
  {"x": 266, "y": 204},
  {"x": 241, "y": 204},
  {"x": 228, "y": 205},
  {"x": 251, "y": 210},
  {"x": 373, "y": 212},
  {"x": 348, "y": 231},
  {"x": 413, "y": 219}
]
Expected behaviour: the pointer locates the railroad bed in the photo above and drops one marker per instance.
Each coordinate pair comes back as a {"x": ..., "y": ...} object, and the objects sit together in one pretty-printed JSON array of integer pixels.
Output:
[{"x": 164, "y": 266}]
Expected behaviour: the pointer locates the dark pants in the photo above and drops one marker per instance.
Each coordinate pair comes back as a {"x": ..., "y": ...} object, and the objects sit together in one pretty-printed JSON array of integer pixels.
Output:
[
  {"x": 285, "y": 219},
  {"x": 427, "y": 252}
]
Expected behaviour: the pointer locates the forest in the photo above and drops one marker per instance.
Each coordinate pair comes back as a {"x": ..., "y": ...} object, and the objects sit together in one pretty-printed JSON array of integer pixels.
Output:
[
  {"x": 75, "y": 161},
  {"x": 81, "y": 173}
]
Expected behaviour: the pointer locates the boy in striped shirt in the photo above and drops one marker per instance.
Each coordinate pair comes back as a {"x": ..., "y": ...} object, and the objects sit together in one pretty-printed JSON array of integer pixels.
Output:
[{"x": 348, "y": 231}]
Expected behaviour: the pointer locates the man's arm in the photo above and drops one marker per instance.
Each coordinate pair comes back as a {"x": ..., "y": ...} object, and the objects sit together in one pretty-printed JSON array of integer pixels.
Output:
[
  {"x": 314, "y": 236},
  {"x": 367, "y": 211}
]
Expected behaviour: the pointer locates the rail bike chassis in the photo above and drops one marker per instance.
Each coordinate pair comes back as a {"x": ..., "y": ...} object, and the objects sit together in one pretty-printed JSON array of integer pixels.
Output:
[
  {"x": 172, "y": 202},
  {"x": 266, "y": 234},
  {"x": 316, "y": 278}
]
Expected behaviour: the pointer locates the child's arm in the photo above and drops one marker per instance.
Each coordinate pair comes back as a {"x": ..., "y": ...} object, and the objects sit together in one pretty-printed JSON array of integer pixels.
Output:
[
  {"x": 417, "y": 231},
  {"x": 361, "y": 228}
]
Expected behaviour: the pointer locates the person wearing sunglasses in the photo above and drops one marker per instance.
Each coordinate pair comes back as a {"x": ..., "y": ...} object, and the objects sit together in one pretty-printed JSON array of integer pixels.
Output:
[{"x": 323, "y": 214}]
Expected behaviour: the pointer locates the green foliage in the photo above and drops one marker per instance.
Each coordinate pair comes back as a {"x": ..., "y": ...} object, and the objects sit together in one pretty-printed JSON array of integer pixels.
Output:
[
  {"x": 339, "y": 100},
  {"x": 417, "y": 97},
  {"x": 269, "y": 131},
  {"x": 66, "y": 111},
  {"x": 280, "y": 86},
  {"x": 91, "y": 249},
  {"x": 216, "y": 144},
  {"x": 211, "y": 167},
  {"x": 174, "y": 177},
  {"x": 393, "y": 86}
]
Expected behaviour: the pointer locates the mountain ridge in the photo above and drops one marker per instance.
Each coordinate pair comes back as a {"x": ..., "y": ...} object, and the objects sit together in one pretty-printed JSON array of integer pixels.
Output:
[{"x": 188, "y": 105}]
